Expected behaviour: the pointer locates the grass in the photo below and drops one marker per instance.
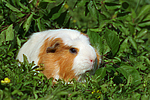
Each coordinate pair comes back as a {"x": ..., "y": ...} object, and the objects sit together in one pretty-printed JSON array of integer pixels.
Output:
[{"x": 118, "y": 29}]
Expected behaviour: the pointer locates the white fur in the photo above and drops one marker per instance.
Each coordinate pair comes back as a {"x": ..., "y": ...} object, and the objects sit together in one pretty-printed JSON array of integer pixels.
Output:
[{"x": 71, "y": 38}]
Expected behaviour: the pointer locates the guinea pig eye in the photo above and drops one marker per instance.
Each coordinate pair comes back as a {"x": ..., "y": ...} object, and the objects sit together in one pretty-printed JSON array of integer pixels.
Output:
[{"x": 73, "y": 50}]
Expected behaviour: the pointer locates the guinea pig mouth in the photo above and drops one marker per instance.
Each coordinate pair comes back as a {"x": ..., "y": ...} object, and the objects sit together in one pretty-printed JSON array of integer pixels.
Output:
[
  {"x": 90, "y": 68},
  {"x": 88, "y": 71}
]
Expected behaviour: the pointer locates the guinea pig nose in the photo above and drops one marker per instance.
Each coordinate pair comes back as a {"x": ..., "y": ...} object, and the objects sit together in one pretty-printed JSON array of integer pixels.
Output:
[{"x": 91, "y": 60}]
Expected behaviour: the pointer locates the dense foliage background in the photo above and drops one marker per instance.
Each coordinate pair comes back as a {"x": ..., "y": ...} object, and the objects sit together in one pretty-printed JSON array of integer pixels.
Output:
[{"x": 118, "y": 29}]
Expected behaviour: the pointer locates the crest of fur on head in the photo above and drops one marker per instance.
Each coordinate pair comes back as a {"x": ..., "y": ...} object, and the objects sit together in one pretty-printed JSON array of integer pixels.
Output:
[{"x": 65, "y": 53}]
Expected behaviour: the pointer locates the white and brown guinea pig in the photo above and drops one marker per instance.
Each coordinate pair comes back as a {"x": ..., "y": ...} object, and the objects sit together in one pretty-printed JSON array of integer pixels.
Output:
[{"x": 65, "y": 53}]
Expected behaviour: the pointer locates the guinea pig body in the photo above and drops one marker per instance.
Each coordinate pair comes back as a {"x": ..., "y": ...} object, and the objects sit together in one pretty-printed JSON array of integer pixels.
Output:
[{"x": 65, "y": 53}]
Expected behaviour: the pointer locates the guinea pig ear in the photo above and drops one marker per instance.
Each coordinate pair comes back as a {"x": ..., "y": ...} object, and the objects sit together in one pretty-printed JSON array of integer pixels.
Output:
[{"x": 53, "y": 48}]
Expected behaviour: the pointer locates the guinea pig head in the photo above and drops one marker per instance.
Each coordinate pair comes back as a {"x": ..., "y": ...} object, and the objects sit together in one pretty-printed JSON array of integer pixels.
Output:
[{"x": 66, "y": 60}]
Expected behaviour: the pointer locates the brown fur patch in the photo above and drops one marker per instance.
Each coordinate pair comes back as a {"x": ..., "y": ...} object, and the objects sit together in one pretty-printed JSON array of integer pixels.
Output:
[
  {"x": 59, "y": 63},
  {"x": 98, "y": 58}
]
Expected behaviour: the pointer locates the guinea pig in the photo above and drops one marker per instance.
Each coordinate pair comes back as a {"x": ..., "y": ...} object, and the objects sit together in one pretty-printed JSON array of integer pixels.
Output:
[{"x": 64, "y": 53}]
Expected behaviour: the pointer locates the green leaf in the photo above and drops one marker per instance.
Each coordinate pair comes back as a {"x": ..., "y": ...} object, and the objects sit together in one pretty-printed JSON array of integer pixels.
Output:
[
  {"x": 21, "y": 5},
  {"x": 39, "y": 24},
  {"x": 11, "y": 7},
  {"x": 132, "y": 29},
  {"x": 145, "y": 9},
  {"x": 57, "y": 11},
  {"x": 124, "y": 30},
  {"x": 136, "y": 96},
  {"x": 112, "y": 6},
  {"x": 129, "y": 80},
  {"x": 103, "y": 23},
  {"x": 145, "y": 58},
  {"x": 27, "y": 23},
  {"x": 127, "y": 70},
  {"x": 50, "y": 1},
  {"x": 62, "y": 93},
  {"x": 112, "y": 40},
  {"x": 133, "y": 42},
  {"x": 13, "y": 17},
  {"x": 17, "y": 92},
  {"x": 10, "y": 33},
  {"x": 27, "y": 83},
  {"x": 101, "y": 72},
  {"x": 25, "y": 59},
  {"x": 43, "y": 5},
  {"x": 133, "y": 13},
  {"x": 110, "y": 68},
  {"x": 104, "y": 88},
  {"x": 2, "y": 36},
  {"x": 92, "y": 9},
  {"x": 18, "y": 41},
  {"x": 73, "y": 94},
  {"x": 124, "y": 46},
  {"x": 107, "y": 14},
  {"x": 144, "y": 24},
  {"x": 96, "y": 40},
  {"x": 20, "y": 15},
  {"x": 140, "y": 66},
  {"x": 142, "y": 33},
  {"x": 145, "y": 97},
  {"x": 125, "y": 5},
  {"x": 147, "y": 18},
  {"x": 1, "y": 17},
  {"x": 61, "y": 18}
]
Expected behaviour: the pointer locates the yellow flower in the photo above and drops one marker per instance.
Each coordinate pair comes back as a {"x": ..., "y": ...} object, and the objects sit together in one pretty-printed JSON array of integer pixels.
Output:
[
  {"x": 2, "y": 81},
  {"x": 66, "y": 6},
  {"x": 74, "y": 21},
  {"x": 93, "y": 91},
  {"x": 6, "y": 80},
  {"x": 97, "y": 91},
  {"x": 98, "y": 97}
]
